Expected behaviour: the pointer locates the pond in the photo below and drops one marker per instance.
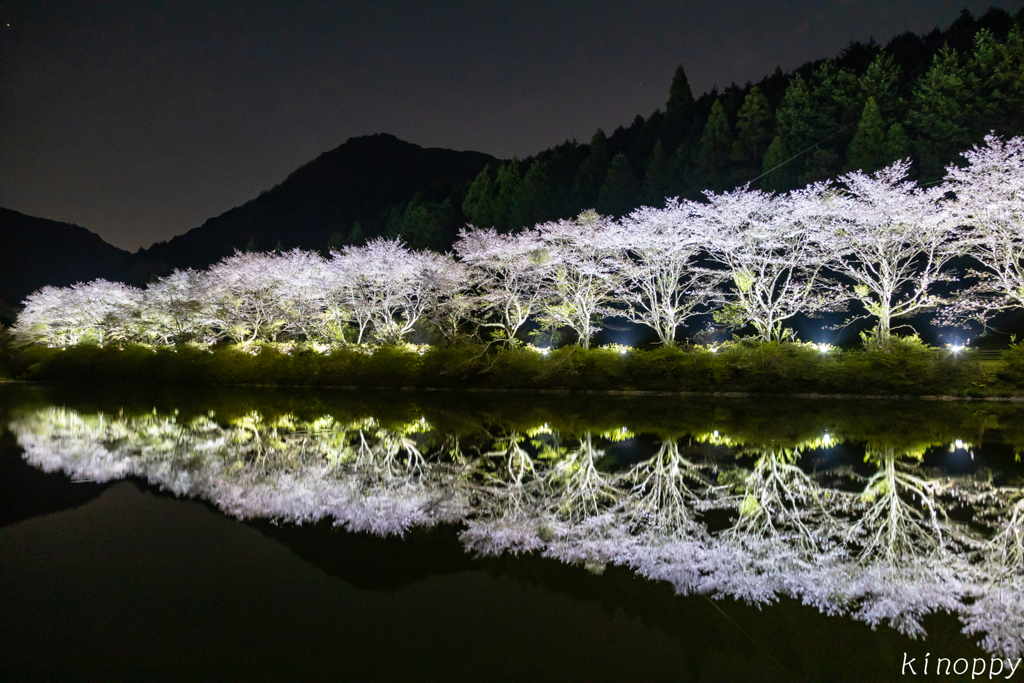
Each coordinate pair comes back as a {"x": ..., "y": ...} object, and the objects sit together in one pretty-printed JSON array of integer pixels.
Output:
[{"x": 154, "y": 534}]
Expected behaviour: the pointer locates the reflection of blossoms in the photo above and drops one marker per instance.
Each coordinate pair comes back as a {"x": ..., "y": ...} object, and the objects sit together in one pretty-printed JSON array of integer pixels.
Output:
[
  {"x": 506, "y": 518},
  {"x": 891, "y": 528},
  {"x": 363, "y": 476},
  {"x": 1005, "y": 512},
  {"x": 901, "y": 594},
  {"x": 580, "y": 489},
  {"x": 997, "y": 614},
  {"x": 512, "y": 479},
  {"x": 777, "y": 498},
  {"x": 886, "y": 556},
  {"x": 662, "y": 494}
]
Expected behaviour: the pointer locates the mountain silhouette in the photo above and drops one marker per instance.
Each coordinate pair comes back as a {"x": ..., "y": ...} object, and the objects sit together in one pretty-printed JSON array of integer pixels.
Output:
[
  {"x": 353, "y": 183},
  {"x": 35, "y": 252}
]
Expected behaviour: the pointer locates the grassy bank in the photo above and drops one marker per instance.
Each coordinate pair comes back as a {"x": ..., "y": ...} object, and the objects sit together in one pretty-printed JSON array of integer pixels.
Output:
[{"x": 901, "y": 369}]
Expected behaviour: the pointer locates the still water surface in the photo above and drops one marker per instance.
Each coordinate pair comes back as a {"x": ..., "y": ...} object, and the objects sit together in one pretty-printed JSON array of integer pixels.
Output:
[{"x": 273, "y": 535}]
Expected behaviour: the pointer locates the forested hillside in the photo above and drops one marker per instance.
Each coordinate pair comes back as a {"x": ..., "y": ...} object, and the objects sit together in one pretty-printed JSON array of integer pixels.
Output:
[{"x": 927, "y": 97}]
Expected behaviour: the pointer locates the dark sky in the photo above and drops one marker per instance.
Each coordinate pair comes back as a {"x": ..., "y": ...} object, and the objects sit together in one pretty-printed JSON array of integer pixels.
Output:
[{"x": 139, "y": 120}]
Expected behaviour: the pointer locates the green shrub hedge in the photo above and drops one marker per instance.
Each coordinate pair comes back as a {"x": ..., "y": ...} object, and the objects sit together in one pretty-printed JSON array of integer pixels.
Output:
[{"x": 902, "y": 368}]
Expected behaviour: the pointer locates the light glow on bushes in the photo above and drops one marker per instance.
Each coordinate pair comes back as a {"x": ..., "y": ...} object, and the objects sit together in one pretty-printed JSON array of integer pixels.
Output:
[
  {"x": 418, "y": 349},
  {"x": 961, "y": 445},
  {"x": 620, "y": 434},
  {"x": 617, "y": 348}
]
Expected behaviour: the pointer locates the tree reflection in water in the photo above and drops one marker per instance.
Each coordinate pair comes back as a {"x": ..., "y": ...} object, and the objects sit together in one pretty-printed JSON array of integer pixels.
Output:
[
  {"x": 663, "y": 495},
  {"x": 880, "y": 546},
  {"x": 901, "y": 515}
]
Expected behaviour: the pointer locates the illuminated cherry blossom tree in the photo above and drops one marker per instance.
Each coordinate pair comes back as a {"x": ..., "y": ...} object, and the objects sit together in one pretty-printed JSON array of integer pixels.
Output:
[
  {"x": 44, "y": 320},
  {"x": 301, "y": 299},
  {"x": 444, "y": 294},
  {"x": 387, "y": 288},
  {"x": 581, "y": 278},
  {"x": 506, "y": 273},
  {"x": 96, "y": 312},
  {"x": 990, "y": 203},
  {"x": 241, "y": 297},
  {"x": 656, "y": 257},
  {"x": 172, "y": 310},
  {"x": 894, "y": 243},
  {"x": 773, "y": 253}
]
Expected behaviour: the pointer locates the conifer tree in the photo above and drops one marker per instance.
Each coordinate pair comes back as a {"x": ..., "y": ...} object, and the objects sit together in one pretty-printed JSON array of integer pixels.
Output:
[
  {"x": 897, "y": 144},
  {"x": 836, "y": 98},
  {"x": 656, "y": 179},
  {"x": 792, "y": 120},
  {"x": 507, "y": 211},
  {"x": 998, "y": 71},
  {"x": 943, "y": 103},
  {"x": 753, "y": 128},
  {"x": 835, "y": 104},
  {"x": 881, "y": 81},
  {"x": 535, "y": 198},
  {"x": 678, "y": 110},
  {"x": 478, "y": 204},
  {"x": 777, "y": 177},
  {"x": 592, "y": 172},
  {"x": 822, "y": 164},
  {"x": 547, "y": 187},
  {"x": 620, "y": 192},
  {"x": 680, "y": 97},
  {"x": 867, "y": 149},
  {"x": 355, "y": 236},
  {"x": 423, "y": 224},
  {"x": 336, "y": 241},
  {"x": 714, "y": 148}
]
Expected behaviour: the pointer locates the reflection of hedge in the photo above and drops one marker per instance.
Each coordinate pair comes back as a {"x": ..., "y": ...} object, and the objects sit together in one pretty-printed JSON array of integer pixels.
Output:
[
  {"x": 894, "y": 423},
  {"x": 763, "y": 368}
]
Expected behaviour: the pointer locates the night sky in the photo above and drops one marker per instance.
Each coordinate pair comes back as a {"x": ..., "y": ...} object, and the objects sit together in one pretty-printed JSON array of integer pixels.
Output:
[{"x": 139, "y": 120}]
